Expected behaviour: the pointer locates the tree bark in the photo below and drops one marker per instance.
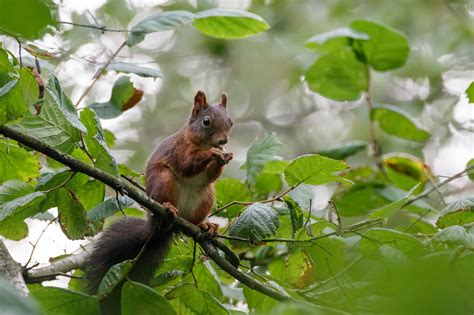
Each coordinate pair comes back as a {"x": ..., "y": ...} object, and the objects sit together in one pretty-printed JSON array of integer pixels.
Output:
[{"x": 11, "y": 270}]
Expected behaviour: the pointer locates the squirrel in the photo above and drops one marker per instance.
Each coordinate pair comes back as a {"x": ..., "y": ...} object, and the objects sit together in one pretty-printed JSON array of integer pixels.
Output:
[{"x": 180, "y": 175}]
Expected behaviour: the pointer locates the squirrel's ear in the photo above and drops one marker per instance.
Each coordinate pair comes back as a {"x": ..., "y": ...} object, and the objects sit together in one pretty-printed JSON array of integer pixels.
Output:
[
  {"x": 223, "y": 102},
  {"x": 200, "y": 101}
]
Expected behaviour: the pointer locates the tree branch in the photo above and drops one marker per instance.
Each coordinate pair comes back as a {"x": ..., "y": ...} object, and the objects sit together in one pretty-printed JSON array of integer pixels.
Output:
[
  {"x": 11, "y": 270},
  {"x": 56, "y": 268},
  {"x": 209, "y": 244}
]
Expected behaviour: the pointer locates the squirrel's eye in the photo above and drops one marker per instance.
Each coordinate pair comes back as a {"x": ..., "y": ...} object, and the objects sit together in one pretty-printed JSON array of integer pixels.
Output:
[{"x": 206, "y": 122}]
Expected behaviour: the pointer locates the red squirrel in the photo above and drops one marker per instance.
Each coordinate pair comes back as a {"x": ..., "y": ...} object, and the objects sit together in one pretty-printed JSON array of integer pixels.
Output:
[{"x": 180, "y": 174}]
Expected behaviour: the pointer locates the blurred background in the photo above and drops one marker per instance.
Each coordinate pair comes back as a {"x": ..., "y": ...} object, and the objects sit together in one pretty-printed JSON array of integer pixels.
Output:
[{"x": 263, "y": 76}]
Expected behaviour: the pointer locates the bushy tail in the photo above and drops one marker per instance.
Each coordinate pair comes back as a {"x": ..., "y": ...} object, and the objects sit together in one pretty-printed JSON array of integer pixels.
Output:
[{"x": 123, "y": 241}]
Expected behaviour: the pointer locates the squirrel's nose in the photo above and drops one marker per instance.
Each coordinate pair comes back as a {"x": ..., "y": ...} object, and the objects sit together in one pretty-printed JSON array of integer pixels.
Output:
[{"x": 222, "y": 141}]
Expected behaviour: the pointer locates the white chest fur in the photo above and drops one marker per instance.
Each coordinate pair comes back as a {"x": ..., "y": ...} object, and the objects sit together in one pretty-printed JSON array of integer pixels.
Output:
[{"x": 191, "y": 193}]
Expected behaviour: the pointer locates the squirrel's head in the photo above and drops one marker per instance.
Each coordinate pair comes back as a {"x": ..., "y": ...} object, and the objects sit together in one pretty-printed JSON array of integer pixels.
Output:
[{"x": 210, "y": 124}]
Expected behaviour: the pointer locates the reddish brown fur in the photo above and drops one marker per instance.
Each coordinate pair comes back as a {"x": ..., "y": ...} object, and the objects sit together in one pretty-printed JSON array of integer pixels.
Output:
[{"x": 182, "y": 157}]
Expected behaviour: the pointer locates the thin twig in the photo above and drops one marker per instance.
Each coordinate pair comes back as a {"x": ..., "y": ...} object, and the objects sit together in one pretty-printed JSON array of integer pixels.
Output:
[
  {"x": 372, "y": 129},
  {"x": 100, "y": 28},
  {"x": 433, "y": 184},
  {"x": 192, "y": 265},
  {"x": 337, "y": 282},
  {"x": 131, "y": 181},
  {"x": 417, "y": 220},
  {"x": 339, "y": 222},
  {"x": 100, "y": 72},
  {"x": 36, "y": 243},
  {"x": 248, "y": 203},
  {"x": 19, "y": 52},
  {"x": 446, "y": 181},
  {"x": 352, "y": 229},
  {"x": 328, "y": 280}
]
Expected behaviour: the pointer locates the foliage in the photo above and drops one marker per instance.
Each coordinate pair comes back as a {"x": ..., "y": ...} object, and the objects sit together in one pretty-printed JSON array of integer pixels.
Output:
[{"x": 375, "y": 249}]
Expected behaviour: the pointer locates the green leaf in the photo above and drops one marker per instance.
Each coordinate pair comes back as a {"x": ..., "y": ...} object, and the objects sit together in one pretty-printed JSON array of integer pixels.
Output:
[
  {"x": 376, "y": 237},
  {"x": 314, "y": 169},
  {"x": 91, "y": 193},
  {"x": 114, "y": 276},
  {"x": 387, "y": 48},
  {"x": 40, "y": 14},
  {"x": 470, "y": 93},
  {"x": 72, "y": 216},
  {"x": 339, "y": 76},
  {"x": 343, "y": 150},
  {"x": 267, "y": 183},
  {"x": 398, "y": 123},
  {"x": 206, "y": 278},
  {"x": 296, "y": 214},
  {"x": 29, "y": 86},
  {"x": 21, "y": 208},
  {"x": 196, "y": 300},
  {"x": 108, "y": 208},
  {"x": 470, "y": 173},
  {"x": 130, "y": 68},
  {"x": 328, "y": 257},
  {"x": 405, "y": 171},
  {"x": 228, "y": 190},
  {"x": 257, "y": 222},
  {"x": 229, "y": 24},
  {"x": 163, "y": 21},
  {"x": 12, "y": 156},
  {"x": 455, "y": 235},
  {"x": 393, "y": 207},
  {"x": 57, "y": 124},
  {"x": 259, "y": 153},
  {"x": 14, "y": 302},
  {"x": 14, "y": 231},
  {"x": 337, "y": 38},
  {"x": 95, "y": 143},
  {"x": 459, "y": 212},
  {"x": 124, "y": 96},
  {"x": 257, "y": 302},
  {"x": 13, "y": 189},
  {"x": 12, "y": 104},
  {"x": 299, "y": 269},
  {"x": 53, "y": 180},
  {"x": 137, "y": 298},
  {"x": 59, "y": 301},
  {"x": 275, "y": 166},
  {"x": 7, "y": 87},
  {"x": 56, "y": 95},
  {"x": 359, "y": 199}
]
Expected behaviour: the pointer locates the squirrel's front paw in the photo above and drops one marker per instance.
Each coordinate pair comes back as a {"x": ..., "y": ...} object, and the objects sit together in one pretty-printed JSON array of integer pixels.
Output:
[
  {"x": 221, "y": 156},
  {"x": 171, "y": 209},
  {"x": 210, "y": 227}
]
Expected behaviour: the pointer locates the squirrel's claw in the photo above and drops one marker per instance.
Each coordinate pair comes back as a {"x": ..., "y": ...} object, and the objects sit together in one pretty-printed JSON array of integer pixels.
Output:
[
  {"x": 210, "y": 227},
  {"x": 171, "y": 209},
  {"x": 221, "y": 156}
]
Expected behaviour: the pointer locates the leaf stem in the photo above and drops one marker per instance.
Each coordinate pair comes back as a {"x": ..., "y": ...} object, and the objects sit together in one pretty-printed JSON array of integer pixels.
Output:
[{"x": 372, "y": 128}]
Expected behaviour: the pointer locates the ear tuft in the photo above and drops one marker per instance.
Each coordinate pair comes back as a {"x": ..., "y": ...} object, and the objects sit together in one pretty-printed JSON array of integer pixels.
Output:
[
  {"x": 200, "y": 101},
  {"x": 223, "y": 102}
]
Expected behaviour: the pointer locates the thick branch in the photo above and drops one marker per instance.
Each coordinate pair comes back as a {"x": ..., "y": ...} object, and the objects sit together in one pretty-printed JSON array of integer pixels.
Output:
[
  {"x": 208, "y": 244},
  {"x": 11, "y": 270},
  {"x": 56, "y": 268}
]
